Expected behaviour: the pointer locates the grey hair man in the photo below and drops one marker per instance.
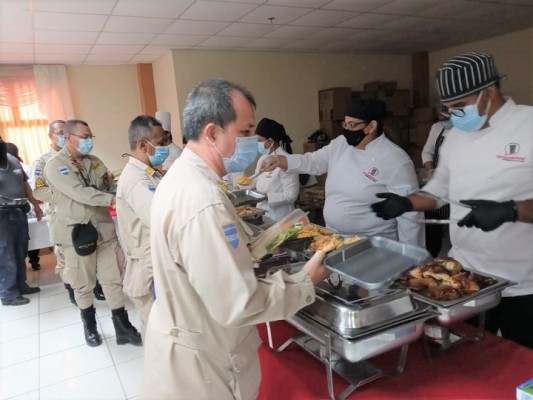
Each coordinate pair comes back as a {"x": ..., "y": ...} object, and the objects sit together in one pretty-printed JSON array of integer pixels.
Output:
[
  {"x": 208, "y": 299},
  {"x": 135, "y": 192}
]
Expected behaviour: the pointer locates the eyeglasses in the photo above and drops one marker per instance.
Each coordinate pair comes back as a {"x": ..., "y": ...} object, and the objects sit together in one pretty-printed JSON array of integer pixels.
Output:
[
  {"x": 351, "y": 126},
  {"x": 84, "y": 137},
  {"x": 460, "y": 111},
  {"x": 60, "y": 133}
]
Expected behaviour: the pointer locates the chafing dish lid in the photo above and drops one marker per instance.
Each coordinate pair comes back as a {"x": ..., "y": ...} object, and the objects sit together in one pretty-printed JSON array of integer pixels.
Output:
[{"x": 375, "y": 262}]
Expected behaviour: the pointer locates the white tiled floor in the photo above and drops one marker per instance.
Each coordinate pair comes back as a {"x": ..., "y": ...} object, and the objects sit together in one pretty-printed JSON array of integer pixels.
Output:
[{"x": 43, "y": 354}]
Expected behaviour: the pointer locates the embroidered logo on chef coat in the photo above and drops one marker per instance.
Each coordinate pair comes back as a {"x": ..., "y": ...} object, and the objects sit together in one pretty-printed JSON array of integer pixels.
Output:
[
  {"x": 230, "y": 231},
  {"x": 63, "y": 170},
  {"x": 38, "y": 171},
  {"x": 511, "y": 153},
  {"x": 372, "y": 174}
]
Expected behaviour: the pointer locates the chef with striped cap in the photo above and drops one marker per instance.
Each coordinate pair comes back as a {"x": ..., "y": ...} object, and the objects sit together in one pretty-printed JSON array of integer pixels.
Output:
[{"x": 486, "y": 163}]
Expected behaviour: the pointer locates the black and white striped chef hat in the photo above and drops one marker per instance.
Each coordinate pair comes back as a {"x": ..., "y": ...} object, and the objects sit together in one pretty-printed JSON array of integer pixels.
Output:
[{"x": 466, "y": 74}]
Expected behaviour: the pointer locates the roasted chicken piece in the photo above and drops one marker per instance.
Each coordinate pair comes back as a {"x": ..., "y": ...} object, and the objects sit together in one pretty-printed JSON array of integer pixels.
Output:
[
  {"x": 464, "y": 283},
  {"x": 443, "y": 292},
  {"x": 326, "y": 243},
  {"x": 437, "y": 272}
]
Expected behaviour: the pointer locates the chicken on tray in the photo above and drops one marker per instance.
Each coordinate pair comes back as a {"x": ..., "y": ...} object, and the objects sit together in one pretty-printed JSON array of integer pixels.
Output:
[{"x": 444, "y": 279}]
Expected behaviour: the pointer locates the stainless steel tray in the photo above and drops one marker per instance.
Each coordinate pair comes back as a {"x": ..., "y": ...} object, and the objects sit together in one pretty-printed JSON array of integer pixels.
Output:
[
  {"x": 375, "y": 262},
  {"x": 371, "y": 343},
  {"x": 452, "y": 311},
  {"x": 247, "y": 196}
]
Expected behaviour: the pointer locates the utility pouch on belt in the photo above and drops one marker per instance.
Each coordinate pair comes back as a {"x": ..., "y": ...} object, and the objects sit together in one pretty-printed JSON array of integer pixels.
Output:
[{"x": 84, "y": 238}]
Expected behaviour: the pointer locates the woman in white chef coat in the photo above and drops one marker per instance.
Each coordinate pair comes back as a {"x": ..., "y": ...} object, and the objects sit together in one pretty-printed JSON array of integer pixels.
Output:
[
  {"x": 281, "y": 188},
  {"x": 360, "y": 163}
]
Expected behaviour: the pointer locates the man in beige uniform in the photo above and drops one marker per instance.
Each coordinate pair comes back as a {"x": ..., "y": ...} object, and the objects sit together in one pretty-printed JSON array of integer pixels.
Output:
[
  {"x": 201, "y": 336},
  {"x": 135, "y": 191},
  {"x": 81, "y": 193}
]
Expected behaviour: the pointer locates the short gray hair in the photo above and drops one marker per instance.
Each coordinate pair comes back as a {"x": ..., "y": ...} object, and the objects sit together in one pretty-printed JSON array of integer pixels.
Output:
[
  {"x": 72, "y": 124},
  {"x": 141, "y": 128},
  {"x": 210, "y": 102},
  {"x": 53, "y": 124}
]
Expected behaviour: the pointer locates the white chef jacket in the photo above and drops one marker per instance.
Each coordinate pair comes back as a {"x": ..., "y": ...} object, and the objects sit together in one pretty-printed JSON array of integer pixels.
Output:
[
  {"x": 354, "y": 178},
  {"x": 495, "y": 163},
  {"x": 174, "y": 151},
  {"x": 281, "y": 188},
  {"x": 429, "y": 148}
]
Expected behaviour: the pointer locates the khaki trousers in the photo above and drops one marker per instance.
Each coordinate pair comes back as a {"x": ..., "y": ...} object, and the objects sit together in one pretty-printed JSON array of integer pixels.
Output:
[
  {"x": 144, "y": 304},
  {"x": 60, "y": 261},
  {"x": 82, "y": 271}
]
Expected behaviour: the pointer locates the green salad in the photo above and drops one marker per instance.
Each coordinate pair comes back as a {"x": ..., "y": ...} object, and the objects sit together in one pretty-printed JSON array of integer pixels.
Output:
[{"x": 286, "y": 234}]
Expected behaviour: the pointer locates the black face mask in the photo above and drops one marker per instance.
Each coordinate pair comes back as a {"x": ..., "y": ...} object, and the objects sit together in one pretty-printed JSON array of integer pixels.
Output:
[{"x": 353, "y": 137}]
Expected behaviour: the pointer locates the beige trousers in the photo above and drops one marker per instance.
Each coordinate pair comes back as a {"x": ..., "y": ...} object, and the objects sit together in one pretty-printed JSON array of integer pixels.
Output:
[
  {"x": 144, "y": 304},
  {"x": 60, "y": 261},
  {"x": 82, "y": 271}
]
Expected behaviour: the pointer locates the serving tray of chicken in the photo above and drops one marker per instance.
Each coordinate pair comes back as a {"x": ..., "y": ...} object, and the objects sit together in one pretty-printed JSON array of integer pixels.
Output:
[{"x": 455, "y": 292}]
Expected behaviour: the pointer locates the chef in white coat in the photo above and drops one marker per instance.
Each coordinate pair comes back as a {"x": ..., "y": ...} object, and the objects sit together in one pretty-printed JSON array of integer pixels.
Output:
[
  {"x": 280, "y": 187},
  {"x": 360, "y": 163},
  {"x": 486, "y": 163},
  {"x": 201, "y": 340}
]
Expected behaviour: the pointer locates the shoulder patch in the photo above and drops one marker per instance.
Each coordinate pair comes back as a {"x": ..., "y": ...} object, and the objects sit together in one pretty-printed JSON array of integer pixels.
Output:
[
  {"x": 96, "y": 165},
  {"x": 149, "y": 170},
  {"x": 38, "y": 171},
  {"x": 151, "y": 188},
  {"x": 39, "y": 182},
  {"x": 230, "y": 231},
  {"x": 63, "y": 170}
]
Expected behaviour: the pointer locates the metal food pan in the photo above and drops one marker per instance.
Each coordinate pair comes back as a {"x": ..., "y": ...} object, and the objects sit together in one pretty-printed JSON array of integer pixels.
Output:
[
  {"x": 247, "y": 196},
  {"x": 297, "y": 248},
  {"x": 452, "y": 311},
  {"x": 375, "y": 262},
  {"x": 370, "y": 344}
]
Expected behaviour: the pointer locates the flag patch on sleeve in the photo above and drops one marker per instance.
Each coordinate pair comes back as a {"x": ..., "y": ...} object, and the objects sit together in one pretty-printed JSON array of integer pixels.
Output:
[
  {"x": 63, "y": 170},
  {"x": 151, "y": 188},
  {"x": 38, "y": 171},
  {"x": 230, "y": 231}
]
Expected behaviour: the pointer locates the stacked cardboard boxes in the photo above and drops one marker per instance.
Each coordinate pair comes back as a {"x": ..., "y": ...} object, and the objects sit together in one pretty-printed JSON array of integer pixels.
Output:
[
  {"x": 333, "y": 104},
  {"x": 420, "y": 124}
]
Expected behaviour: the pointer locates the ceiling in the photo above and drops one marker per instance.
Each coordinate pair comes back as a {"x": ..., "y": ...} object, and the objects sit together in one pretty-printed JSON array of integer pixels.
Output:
[{"x": 140, "y": 31}]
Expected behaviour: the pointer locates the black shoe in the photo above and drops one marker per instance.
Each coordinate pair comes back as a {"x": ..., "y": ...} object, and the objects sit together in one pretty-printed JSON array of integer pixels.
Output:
[
  {"x": 35, "y": 266},
  {"x": 19, "y": 301},
  {"x": 92, "y": 337},
  {"x": 30, "y": 290},
  {"x": 98, "y": 292},
  {"x": 126, "y": 332}
]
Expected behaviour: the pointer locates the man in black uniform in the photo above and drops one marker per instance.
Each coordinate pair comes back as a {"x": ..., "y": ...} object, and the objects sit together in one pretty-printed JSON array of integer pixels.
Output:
[{"x": 15, "y": 192}]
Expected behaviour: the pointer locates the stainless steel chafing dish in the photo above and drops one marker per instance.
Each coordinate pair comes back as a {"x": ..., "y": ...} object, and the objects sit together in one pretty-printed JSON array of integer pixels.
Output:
[
  {"x": 347, "y": 325},
  {"x": 247, "y": 197}
]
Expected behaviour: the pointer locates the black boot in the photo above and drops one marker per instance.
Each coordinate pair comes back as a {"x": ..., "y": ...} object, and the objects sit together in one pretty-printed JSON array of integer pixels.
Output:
[
  {"x": 92, "y": 337},
  {"x": 126, "y": 332},
  {"x": 98, "y": 292},
  {"x": 71, "y": 294}
]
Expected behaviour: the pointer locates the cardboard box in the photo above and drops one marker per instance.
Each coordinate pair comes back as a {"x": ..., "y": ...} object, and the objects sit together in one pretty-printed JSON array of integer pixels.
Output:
[
  {"x": 331, "y": 128},
  {"x": 424, "y": 114},
  {"x": 310, "y": 147},
  {"x": 419, "y": 134},
  {"x": 525, "y": 391},
  {"x": 374, "y": 86},
  {"x": 415, "y": 154},
  {"x": 321, "y": 179},
  {"x": 397, "y": 102},
  {"x": 334, "y": 103}
]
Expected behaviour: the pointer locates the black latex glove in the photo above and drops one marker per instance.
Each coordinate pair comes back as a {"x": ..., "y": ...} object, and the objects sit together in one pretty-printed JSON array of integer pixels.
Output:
[
  {"x": 392, "y": 207},
  {"x": 488, "y": 215}
]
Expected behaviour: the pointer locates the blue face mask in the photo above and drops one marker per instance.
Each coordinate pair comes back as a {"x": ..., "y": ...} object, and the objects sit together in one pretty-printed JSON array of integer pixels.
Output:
[
  {"x": 85, "y": 146},
  {"x": 245, "y": 154},
  {"x": 447, "y": 124},
  {"x": 61, "y": 140},
  {"x": 160, "y": 155},
  {"x": 262, "y": 149},
  {"x": 471, "y": 121}
]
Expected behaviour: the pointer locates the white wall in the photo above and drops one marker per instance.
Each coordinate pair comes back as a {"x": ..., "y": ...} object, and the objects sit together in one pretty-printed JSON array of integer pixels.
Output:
[
  {"x": 513, "y": 55},
  {"x": 286, "y": 85},
  {"x": 107, "y": 98}
]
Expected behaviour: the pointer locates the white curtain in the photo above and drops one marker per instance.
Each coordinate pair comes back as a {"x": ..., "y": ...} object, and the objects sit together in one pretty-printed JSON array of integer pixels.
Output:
[{"x": 53, "y": 93}]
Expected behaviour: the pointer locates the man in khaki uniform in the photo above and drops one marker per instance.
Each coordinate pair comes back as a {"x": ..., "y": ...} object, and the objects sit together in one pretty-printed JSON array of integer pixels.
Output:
[
  {"x": 135, "y": 191},
  {"x": 81, "y": 193},
  {"x": 201, "y": 336}
]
